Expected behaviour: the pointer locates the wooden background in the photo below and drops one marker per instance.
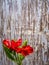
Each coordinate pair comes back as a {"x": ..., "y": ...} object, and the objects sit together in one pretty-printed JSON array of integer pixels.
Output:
[{"x": 26, "y": 19}]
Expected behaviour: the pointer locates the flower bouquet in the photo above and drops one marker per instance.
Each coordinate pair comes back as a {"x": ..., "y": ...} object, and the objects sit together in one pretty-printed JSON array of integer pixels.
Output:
[{"x": 16, "y": 50}]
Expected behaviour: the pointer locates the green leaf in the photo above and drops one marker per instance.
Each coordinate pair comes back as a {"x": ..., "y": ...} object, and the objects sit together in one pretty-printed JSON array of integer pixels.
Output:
[
  {"x": 8, "y": 53},
  {"x": 25, "y": 43}
]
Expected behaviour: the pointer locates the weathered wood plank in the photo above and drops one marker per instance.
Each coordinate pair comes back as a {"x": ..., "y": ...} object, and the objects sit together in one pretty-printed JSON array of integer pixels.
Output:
[{"x": 16, "y": 18}]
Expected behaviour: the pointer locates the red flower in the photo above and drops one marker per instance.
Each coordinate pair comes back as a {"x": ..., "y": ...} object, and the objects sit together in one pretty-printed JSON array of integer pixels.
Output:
[
  {"x": 26, "y": 50},
  {"x": 12, "y": 44}
]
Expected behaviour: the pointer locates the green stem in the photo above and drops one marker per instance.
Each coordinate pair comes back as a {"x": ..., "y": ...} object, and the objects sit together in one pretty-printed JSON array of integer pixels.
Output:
[{"x": 19, "y": 63}]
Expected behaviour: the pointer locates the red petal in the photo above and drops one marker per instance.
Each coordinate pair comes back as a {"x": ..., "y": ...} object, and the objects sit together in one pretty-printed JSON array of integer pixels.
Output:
[
  {"x": 19, "y": 42},
  {"x": 29, "y": 49},
  {"x": 18, "y": 50},
  {"x": 7, "y": 43},
  {"x": 13, "y": 44},
  {"x": 24, "y": 53}
]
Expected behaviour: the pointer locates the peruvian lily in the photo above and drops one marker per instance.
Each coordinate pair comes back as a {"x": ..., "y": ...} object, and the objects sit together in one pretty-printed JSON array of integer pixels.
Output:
[
  {"x": 12, "y": 44},
  {"x": 26, "y": 50}
]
